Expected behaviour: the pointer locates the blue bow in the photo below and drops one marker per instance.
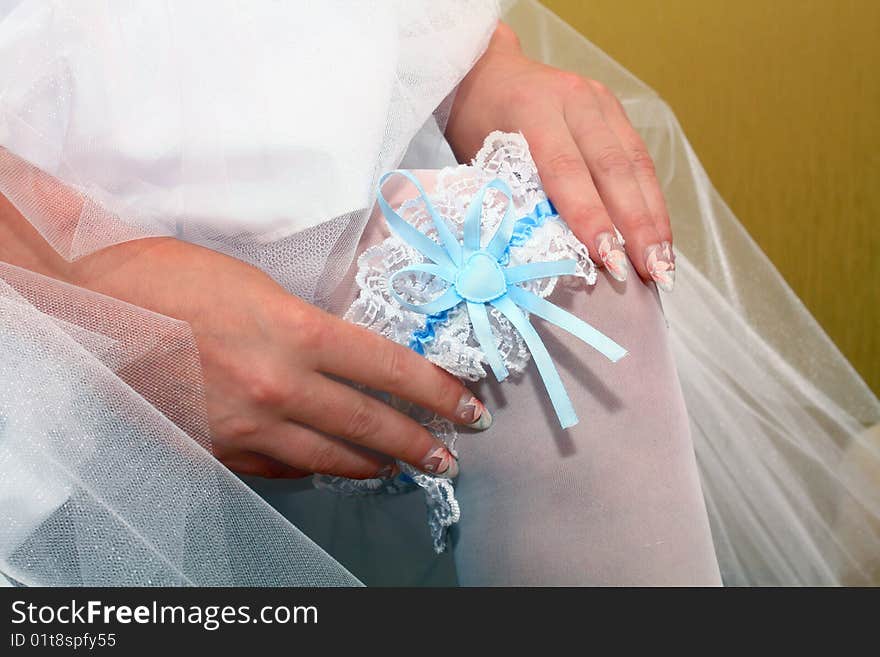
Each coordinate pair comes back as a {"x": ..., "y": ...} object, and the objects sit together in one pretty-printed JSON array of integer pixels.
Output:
[{"x": 477, "y": 276}]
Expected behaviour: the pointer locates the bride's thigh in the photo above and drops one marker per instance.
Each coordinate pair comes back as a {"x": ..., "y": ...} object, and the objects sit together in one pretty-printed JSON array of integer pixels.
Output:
[{"x": 615, "y": 499}]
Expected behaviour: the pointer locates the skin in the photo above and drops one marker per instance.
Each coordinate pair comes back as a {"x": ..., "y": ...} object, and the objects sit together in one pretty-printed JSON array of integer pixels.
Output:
[
  {"x": 272, "y": 363},
  {"x": 594, "y": 166}
]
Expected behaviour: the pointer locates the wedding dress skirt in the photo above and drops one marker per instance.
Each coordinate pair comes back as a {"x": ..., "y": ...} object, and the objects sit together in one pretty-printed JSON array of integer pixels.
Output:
[{"x": 104, "y": 448}]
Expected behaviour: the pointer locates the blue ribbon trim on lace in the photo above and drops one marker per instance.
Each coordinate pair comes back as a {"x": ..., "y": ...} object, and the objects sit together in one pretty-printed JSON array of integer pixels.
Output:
[
  {"x": 523, "y": 229},
  {"x": 421, "y": 337},
  {"x": 478, "y": 275},
  {"x": 522, "y": 233}
]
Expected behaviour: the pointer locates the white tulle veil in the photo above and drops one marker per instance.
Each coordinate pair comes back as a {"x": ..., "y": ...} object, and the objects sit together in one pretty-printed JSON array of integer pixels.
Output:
[
  {"x": 779, "y": 417},
  {"x": 104, "y": 448}
]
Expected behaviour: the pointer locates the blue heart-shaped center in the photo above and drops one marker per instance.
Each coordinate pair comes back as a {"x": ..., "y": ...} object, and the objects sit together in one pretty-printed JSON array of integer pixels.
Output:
[{"x": 480, "y": 279}]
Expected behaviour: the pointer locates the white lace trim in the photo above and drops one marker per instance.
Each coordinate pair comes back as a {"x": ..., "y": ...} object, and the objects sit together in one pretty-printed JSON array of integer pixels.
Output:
[{"x": 454, "y": 347}]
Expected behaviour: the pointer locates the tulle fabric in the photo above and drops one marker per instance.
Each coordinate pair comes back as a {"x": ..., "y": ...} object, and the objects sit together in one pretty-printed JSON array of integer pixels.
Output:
[
  {"x": 127, "y": 490},
  {"x": 780, "y": 420},
  {"x": 104, "y": 449},
  {"x": 257, "y": 129},
  {"x": 244, "y": 127}
]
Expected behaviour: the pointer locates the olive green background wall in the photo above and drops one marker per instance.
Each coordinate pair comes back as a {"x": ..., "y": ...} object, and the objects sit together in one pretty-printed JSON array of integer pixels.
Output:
[{"x": 781, "y": 100}]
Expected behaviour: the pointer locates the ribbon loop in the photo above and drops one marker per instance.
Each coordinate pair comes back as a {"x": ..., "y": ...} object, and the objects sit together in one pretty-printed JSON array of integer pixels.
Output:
[
  {"x": 475, "y": 278},
  {"x": 451, "y": 256},
  {"x": 550, "y": 375},
  {"x": 500, "y": 241},
  {"x": 449, "y": 298}
]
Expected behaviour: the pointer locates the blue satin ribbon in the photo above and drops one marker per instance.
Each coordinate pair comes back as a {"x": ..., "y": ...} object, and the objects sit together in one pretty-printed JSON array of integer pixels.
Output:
[{"x": 477, "y": 276}]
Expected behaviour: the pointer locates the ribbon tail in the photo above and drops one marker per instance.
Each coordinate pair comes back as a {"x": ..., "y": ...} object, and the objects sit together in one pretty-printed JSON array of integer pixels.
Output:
[
  {"x": 483, "y": 332},
  {"x": 549, "y": 374},
  {"x": 565, "y": 320},
  {"x": 534, "y": 270}
]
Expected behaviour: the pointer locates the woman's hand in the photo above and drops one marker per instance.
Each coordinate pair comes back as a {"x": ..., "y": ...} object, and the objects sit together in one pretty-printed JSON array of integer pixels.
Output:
[
  {"x": 594, "y": 166},
  {"x": 271, "y": 362}
]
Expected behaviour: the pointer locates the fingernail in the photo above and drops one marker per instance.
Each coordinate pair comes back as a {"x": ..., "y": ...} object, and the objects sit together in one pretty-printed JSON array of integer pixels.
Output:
[
  {"x": 612, "y": 255},
  {"x": 440, "y": 462},
  {"x": 472, "y": 413},
  {"x": 389, "y": 471},
  {"x": 661, "y": 265}
]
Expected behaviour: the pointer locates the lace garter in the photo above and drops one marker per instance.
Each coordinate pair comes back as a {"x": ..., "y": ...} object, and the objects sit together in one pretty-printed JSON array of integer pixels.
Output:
[{"x": 456, "y": 280}]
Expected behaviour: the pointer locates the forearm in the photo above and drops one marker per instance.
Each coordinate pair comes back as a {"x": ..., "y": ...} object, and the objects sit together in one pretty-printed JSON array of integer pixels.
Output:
[
  {"x": 22, "y": 245},
  {"x": 138, "y": 271}
]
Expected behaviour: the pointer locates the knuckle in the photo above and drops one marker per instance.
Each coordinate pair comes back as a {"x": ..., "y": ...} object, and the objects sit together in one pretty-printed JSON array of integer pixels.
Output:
[
  {"x": 236, "y": 428},
  {"x": 642, "y": 162},
  {"x": 309, "y": 333},
  {"x": 395, "y": 367},
  {"x": 589, "y": 215},
  {"x": 563, "y": 165},
  {"x": 361, "y": 422},
  {"x": 599, "y": 88},
  {"x": 266, "y": 389},
  {"x": 571, "y": 82},
  {"x": 613, "y": 162},
  {"x": 303, "y": 398},
  {"x": 323, "y": 458}
]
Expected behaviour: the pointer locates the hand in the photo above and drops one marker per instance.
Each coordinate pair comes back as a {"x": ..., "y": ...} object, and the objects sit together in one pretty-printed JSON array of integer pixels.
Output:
[
  {"x": 271, "y": 362},
  {"x": 593, "y": 164}
]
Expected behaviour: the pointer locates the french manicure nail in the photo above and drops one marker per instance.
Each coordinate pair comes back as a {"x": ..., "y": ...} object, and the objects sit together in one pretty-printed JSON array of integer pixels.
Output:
[
  {"x": 440, "y": 462},
  {"x": 661, "y": 265},
  {"x": 612, "y": 255},
  {"x": 473, "y": 413}
]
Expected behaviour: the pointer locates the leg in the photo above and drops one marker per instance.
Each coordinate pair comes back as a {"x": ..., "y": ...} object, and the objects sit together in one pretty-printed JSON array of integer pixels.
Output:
[{"x": 614, "y": 500}]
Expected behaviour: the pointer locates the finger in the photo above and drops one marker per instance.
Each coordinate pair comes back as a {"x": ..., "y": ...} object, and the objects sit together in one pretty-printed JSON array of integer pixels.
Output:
[
  {"x": 637, "y": 152},
  {"x": 615, "y": 180},
  {"x": 301, "y": 448},
  {"x": 569, "y": 185},
  {"x": 384, "y": 365},
  {"x": 252, "y": 463},
  {"x": 339, "y": 410},
  {"x": 642, "y": 164}
]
